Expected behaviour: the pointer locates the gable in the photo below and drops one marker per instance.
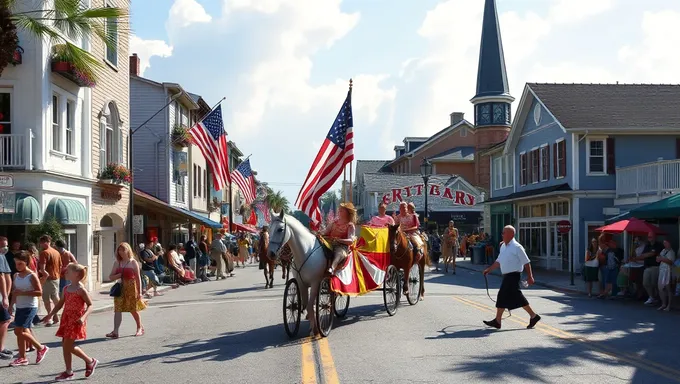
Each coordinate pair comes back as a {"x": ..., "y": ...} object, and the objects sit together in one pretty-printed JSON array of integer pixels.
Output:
[{"x": 460, "y": 184}]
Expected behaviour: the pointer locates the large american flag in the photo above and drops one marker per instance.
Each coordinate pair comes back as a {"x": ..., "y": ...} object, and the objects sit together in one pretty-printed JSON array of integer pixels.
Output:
[
  {"x": 336, "y": 152},
  {"x": 243, "y": 176},
  {"x": 211, "y": 139}
]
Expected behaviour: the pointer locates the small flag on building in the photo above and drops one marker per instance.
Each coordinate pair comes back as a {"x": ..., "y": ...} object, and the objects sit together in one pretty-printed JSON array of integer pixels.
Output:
[
  {"x": 243, "y": 177},
  {"x": 210, "y": 137}
]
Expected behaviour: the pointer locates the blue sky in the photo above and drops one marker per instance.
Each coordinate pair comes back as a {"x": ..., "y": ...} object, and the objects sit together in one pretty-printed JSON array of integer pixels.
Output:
[{"x": 283, "y": 65}]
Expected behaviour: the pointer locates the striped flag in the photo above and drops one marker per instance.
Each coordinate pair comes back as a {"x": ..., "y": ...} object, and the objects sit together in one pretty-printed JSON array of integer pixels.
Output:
[
  {"x": 211, "y": 139},
  {"x": 243, "y": 177},
  {"x": 336, "y": 152}
]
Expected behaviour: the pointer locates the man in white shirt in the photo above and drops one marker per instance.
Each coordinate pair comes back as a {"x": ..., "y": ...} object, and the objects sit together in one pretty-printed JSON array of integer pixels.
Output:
[{"x": 512, "y": 260}]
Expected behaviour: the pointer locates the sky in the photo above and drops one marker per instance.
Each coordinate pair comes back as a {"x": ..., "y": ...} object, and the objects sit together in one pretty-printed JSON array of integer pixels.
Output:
[{"x": 284, "y": 65}]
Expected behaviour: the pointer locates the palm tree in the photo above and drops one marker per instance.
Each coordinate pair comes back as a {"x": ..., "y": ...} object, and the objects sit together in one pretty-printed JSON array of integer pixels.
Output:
[
  {"x": 277, "y": 201},
  {"x": 67, "y": 18}
]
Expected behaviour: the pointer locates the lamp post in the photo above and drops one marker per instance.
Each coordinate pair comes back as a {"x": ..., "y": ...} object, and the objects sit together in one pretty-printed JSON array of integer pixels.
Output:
[{"x": 425, "y": 172}]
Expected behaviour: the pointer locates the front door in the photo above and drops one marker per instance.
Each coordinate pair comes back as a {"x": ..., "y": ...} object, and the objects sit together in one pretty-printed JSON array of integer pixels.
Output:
[
  {"x": 559, "y": 259},
  {"x": 107, "y": 252}
]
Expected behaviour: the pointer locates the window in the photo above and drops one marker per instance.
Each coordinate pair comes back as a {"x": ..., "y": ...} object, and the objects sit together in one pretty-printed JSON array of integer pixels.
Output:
[
  {"x": 110, "y": 136},
  {"x": 70, "y": 123},
  {"x": 109, "y": 142},
  {"x": 195, "y": 182},
  {"x": 523, "y": 169},
  {"x": 205, "y": 183},
  {"x": 5, "y": 112},
  {"x": 560, "y": 159},
  {"x": 534, "y": 237},
  {"x": 536, "y": 210},
  {"x": 535, "y": 166},
  {"x": 56, "y": 123},
  {"x": 497, "y": 170},
  {"x": 596, "y": 156},
  {"x": 502, "y": 170},
  {"x": 200, "y": 188},
  {"x": 545, "y": 162},
  {"x": 71, "y": 241},
  {"x": 463, "y": 132},
  {"x": 560, "y": 208},
  {"x": 112, "y": 32}
]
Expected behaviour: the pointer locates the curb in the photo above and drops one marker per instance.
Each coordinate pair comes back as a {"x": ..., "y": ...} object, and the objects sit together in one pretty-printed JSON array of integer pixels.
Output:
[{"x": 539, "y": 283}]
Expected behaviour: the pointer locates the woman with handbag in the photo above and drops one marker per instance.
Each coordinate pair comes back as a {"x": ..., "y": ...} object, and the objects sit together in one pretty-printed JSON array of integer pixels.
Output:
[
  {"x": 127, "y": 291},
  {"x": 592, "y": 266}
]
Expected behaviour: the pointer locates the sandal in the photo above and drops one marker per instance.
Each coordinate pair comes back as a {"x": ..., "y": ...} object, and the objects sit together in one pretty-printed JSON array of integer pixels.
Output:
[
  {"x": 89, "y": 368},
  {"x": 140, "y": 332},
  {"x": 112, "y": 335},
  {"x": 65, "y": 376}
]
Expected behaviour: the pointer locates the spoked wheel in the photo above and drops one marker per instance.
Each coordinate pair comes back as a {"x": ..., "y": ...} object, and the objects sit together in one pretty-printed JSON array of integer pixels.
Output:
[
  {"x": 341, "y": 305},
  {"x": 292, "y": 308},
  {"x": 414, "y": 284},
  {"x": 324, "y": 307},
  {"x": 391, "y": 290}
]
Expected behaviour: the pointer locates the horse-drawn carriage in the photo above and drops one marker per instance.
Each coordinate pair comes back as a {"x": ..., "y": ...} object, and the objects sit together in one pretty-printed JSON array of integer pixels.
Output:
[{"x": 378, "y": 260}]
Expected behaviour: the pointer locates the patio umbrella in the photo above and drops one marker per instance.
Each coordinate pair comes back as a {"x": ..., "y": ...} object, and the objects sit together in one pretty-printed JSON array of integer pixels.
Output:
[{"x": 632, "y": 225}]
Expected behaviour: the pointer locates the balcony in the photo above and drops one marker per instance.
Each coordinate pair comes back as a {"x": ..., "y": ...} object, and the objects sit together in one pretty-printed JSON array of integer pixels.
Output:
[
  {"x": 16, "y": 151},
  {"x": 648, "y": 182}
]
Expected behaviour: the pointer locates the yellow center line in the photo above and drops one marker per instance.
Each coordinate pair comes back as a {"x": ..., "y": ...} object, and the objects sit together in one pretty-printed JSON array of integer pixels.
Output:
[
  {"x": 631, "y": 359},
  {"x": 308, "y": 364},
  {"x": 330, "y": 374}
]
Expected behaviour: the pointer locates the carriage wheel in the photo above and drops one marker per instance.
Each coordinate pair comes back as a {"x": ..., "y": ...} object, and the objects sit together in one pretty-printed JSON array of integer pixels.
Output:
[
  {"x": 324, "y": 307},
  {"x": 292, "y": 308},
  {"x": 341, "y": 305},
  {"x": 414, "y": 284},
  {"x": 391, "y": 290}
]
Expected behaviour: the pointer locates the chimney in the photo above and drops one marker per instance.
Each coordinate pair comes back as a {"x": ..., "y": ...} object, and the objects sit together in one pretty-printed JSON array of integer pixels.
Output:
[
  {"x": 457, "y": 117},
  {"x": 134, "y": 64}
]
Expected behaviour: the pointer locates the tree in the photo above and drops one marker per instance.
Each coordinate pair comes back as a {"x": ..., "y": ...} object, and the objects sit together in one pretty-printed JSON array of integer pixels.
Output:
[
  {"x": 329, "y": 198},
  {"x": 277, "y": 201},
  {"x": 49, "y": 227},
  {"x": 67, "y": 18}
]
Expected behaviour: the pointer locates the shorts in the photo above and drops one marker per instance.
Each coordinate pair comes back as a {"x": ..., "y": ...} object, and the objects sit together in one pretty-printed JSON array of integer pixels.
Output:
[
  {"x": 4, "y": 315},
  {"x": 23, "y": 318},
  {"x": 51, "y": 290},
  {"x": 609, "y": 275}
]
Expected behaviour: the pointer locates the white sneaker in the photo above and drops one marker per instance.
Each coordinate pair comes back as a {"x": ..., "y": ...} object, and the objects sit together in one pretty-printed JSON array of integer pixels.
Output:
[{"x": 650, "y": 301}]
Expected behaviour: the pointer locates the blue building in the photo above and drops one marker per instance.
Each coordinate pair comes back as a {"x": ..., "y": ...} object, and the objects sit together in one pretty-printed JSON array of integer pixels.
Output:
[{"x": 583, "y": 153}]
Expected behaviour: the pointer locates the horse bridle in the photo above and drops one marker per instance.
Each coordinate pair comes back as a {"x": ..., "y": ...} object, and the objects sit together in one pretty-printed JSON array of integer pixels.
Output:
[
  {"x": 403, "y": 253},
  {"x": 292, "y": 260}
]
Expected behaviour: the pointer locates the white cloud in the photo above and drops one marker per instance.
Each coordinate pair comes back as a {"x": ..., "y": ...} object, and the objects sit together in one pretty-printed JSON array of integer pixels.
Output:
[
  {"x": 572, "y": 11},
  {"x": 146, "y": 49},
  {"x": 183, "y": 13}
]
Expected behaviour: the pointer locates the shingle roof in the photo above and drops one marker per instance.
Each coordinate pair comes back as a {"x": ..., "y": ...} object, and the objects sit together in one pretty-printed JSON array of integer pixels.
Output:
[
  {"x": 611, "y": 105},
  {"x": 458, "y": 153},
  {"x": 369, "y": 166}
]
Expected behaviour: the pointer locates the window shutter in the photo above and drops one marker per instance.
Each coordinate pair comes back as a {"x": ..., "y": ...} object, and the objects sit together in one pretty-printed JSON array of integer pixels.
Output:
[
  {"x": 524, "y": 169},
  {"x": 102, "y": 143},
  {"x": 546, "y": 166},
  {"x": 611, "y": 157},
  {"x": 554, "y": 156},
  {"x": 563, "y": 164},
  {"x": 677, "y": 148},
  {"x": 121, "y": 160}
]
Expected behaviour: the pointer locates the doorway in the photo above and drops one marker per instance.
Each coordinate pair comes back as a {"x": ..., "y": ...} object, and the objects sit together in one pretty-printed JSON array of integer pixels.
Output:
[
  {"x": 107, "y": 252},
  {"x": 559, "y": 259}
]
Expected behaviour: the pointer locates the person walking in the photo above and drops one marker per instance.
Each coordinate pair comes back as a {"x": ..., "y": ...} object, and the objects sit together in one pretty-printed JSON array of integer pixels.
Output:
[
  {"x": 77, "y": 305},
  {"x": 49, "y": 265},
  {"x": 130, "y": 300},
  {"x": 5, "y": 289},
  {"x": 66, "y": 259},
  {"x": 218, "y": 251},
  {"x": 512, "y": 260}
]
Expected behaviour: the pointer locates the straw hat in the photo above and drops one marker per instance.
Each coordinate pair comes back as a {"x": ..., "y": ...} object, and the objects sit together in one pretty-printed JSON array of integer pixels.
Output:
[{"x": 348, "y": 206}]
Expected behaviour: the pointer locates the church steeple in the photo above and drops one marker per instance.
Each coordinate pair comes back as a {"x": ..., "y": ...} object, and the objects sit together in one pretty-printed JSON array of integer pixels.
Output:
[{"x": 492, "y": 100}]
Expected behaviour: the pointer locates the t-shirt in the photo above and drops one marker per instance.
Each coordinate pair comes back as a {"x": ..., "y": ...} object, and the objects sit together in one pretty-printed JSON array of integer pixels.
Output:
[
  {"x": 217, "y": 248},
  {"x": 147, "y": 260},
  {"x": 4, "y": 265},
  {"x": 383, "y": 221},
  {"x": 650, "y": 261},
  {"x": 512, "y": 257},
  {"x": 52, "y": 260}
]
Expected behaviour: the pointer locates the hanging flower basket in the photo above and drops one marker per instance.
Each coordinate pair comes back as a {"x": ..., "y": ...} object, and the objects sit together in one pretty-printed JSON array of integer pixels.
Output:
[
  {"x": 66, "y": 69},
  {"x": 115, "y": 174},
  {"x": 181, "y": 137}
]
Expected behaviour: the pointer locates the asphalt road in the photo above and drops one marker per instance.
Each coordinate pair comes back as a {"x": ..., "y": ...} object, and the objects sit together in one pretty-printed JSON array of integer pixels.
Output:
[{"x": 231, "y": 332}]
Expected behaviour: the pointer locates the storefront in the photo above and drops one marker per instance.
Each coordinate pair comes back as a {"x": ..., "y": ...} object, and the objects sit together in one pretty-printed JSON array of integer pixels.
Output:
[
  {"x": 538, "y": 231},
  {"x": 501, "y": 215}
]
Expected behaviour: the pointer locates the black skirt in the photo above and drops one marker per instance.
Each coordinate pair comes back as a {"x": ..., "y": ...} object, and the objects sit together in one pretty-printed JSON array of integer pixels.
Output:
[{"x": 509, "y": 295}]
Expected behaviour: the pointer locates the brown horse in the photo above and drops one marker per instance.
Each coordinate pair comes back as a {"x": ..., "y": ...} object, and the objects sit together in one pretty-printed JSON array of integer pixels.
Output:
[
  {"x": 285, "y": 258},
  {"x": 403, "y": 257}
]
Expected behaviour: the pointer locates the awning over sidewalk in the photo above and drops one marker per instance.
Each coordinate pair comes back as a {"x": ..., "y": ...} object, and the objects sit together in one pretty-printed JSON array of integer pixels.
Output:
[
  {"x": 26, "y": 211},
  {"x": 662, "y": 209},
  {"x": 176, "y": 211},
  {"x": 67, "y": 211},
  {"x": 201, "y": 219}
]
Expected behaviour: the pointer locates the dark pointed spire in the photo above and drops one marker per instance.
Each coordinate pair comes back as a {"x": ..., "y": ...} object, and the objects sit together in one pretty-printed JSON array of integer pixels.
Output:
[{"x": 492, "y": 79}]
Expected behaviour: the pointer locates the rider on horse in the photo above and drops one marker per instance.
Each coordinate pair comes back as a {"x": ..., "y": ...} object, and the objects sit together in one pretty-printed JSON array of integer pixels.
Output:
[
  {"x": 409, "y": 222},
  {"x": 341, "y": 234},
  {"x": 382, "y": 219}
]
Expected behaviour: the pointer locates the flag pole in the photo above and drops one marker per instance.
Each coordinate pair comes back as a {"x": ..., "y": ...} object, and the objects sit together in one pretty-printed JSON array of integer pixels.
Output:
[
  {"x": 344, "y": 181},
  {"x": 231, "y": 200}
]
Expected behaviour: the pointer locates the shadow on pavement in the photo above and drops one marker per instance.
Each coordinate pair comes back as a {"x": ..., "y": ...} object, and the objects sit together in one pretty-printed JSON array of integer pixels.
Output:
[{"x": 447, "y": 333}]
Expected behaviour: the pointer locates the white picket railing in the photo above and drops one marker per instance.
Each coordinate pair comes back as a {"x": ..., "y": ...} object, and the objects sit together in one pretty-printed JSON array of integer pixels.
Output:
[
  {"x": 16, "y": 151},
  {"x": 656, "y": 178}
]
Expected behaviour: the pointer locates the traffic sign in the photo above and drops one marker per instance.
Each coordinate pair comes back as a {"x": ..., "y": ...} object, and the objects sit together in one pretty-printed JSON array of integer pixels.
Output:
[{"x": 563, "y": 226}]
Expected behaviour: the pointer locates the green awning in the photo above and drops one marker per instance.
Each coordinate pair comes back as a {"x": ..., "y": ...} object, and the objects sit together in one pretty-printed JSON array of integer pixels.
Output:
[
  {"x": 67, "y": 211},
  {"x": 26, "y": 211},
  {"x": 622, "y": 216},
  {"x": 662, "y": 209}
]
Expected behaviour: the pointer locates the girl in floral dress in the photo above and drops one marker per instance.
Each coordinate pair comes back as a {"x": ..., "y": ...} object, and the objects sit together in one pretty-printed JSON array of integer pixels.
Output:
[
  {"x": 77, "y": 305},
  {"x": 131, "y": 300}
]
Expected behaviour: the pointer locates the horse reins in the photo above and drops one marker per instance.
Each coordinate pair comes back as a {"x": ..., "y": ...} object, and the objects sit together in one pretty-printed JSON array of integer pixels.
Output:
[
  {"x": 292, "y": 261},
  {"x": 486, "y": 281}
]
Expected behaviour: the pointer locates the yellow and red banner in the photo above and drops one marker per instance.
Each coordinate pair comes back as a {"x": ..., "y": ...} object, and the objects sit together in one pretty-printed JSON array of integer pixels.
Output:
[{"x": 367, "y": 264}]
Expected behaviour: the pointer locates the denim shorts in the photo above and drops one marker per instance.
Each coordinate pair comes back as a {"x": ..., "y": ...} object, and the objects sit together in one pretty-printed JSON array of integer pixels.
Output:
[
  {"x": 609, "y": 275},
  {"x": 23, "y": 317},
  {"x": 4, "y": 315}
]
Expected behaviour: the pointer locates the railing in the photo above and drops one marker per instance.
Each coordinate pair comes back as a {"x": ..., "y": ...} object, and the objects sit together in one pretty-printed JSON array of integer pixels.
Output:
[
  {"x": 657, "y": 178},
  {"x": 16, "y": 151}
]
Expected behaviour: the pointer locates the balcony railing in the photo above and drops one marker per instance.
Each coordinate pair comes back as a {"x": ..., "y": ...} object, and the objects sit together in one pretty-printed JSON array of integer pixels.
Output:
[
  {"x": 657, "y": 178},
  {"x": 16, "y": 151}
]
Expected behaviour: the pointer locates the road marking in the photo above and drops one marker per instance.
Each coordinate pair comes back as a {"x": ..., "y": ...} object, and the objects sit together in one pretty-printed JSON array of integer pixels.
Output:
[
  {"x": 308, "y": 363},
  {"x": 632, "y": 359},
  {"x": 170, "y": 305},
  {"x": 330, "y": 374}
]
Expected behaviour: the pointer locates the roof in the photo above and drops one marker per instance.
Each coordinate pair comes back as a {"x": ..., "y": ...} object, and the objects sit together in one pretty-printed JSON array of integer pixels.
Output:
[
  {"x": 377, "y": 182},
  {"x": 611, "y": 105},
  {"x": 455, "y": 154},
  {"x": 492, "y": 79},
  {"x": 370, "y": 166},
  {"x": 531, "y": 193},
  {"x": 436, "y": 137},
  {"x": 186, "y": 96},
  {"x": 494, "y": 148}
]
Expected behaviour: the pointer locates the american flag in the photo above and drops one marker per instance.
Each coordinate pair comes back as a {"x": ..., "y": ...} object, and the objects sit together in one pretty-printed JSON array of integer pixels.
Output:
[
  {"x": 336, "y": 152},
  {"x": 211, "y": 139},
  {"x": 264, "y": 208},
  {"x": 243, "y": 176}
]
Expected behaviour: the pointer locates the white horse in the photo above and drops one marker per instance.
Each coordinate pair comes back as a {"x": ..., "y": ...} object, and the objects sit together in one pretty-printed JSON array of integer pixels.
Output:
[{"x": 309, "y": 261}]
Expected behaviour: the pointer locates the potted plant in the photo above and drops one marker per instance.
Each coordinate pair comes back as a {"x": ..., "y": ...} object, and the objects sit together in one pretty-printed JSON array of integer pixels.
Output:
[
  {"x": 61, "y": 63},
  {"x": 180, "y": 136},
  {"x": 115, "y": 174}
]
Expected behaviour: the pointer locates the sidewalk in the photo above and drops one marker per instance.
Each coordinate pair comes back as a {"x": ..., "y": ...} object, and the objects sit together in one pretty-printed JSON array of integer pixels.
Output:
[{"x": 559, "y": 281}]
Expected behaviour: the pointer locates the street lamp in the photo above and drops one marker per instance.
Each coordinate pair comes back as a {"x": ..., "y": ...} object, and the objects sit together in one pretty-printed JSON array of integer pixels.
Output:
[{"x": 425, "y": 172}]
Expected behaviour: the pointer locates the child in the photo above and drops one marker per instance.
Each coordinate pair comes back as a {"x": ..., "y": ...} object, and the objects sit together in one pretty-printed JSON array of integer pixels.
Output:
[
  {"x": 27, "y": 289},
  {"x": 77, "y": 306}
]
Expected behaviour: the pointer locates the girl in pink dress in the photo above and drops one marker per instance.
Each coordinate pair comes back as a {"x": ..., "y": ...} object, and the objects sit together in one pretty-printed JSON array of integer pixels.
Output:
[
  {"x": 410, "y": 226},
  {"x": 77, "y": 305},
  {"x": 341, "y": 234}
]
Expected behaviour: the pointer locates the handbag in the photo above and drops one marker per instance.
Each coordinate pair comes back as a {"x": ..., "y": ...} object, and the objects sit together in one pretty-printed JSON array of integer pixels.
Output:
[{"x": 116, "y": 290}]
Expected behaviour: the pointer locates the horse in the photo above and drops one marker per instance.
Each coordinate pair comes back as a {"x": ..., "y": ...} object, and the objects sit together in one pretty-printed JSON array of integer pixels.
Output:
[
  {"x": 267, "y": 264},
  {"x": 285, "y": 258},
  {"x": 403, "y": 257},
  {"x": 309, "y": 259}
]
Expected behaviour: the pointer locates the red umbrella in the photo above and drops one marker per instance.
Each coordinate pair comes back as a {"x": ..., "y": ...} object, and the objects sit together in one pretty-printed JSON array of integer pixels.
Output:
[{"x": 631, "y": 225}]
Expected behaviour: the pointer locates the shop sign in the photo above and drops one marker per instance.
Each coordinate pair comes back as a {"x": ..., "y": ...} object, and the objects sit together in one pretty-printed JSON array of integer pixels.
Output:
[
  {"x": 6, "y": 181},
  {"x": 138, "y": 224},
  {"x": 563, "y": 226},
  {"x": 457, "y": 197}
]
